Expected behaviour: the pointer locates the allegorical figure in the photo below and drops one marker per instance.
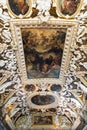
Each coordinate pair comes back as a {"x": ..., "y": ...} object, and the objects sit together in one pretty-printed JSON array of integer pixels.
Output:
[
  {"x": 19, "y": 6},
  {"x": 69, "y": 6}
]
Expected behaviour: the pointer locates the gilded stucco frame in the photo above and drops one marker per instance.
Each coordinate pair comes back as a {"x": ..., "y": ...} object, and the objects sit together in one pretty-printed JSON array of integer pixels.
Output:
[
  {"x": 17, "y": 44},
  {"x": 47, "y": 106}
]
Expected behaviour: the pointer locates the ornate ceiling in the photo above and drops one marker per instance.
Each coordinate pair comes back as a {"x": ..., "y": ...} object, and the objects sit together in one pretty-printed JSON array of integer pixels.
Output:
[{"x": 43, "y": 65}]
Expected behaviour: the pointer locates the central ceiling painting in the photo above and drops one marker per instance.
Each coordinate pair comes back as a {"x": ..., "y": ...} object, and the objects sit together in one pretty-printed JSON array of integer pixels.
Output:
[{"x": 43, "y": 50}]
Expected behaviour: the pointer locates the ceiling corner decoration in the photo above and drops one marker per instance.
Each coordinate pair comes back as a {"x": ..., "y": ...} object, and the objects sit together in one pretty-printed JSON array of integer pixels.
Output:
[{"x": 43, "y": 64}]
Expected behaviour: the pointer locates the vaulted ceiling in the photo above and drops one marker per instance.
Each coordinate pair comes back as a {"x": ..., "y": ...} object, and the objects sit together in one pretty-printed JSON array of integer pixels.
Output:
[{"x": 43, "y": 65}]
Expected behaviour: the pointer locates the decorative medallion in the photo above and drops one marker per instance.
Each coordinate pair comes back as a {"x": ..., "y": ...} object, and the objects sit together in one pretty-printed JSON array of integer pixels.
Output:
[
  {"x": 42, "y": 100},
  {"x": 19, "y": 8},
  {"x": 68, "y": 8}
]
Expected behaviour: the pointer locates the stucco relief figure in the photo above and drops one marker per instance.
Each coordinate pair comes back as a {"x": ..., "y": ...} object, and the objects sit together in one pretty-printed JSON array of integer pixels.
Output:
[
  {"x": 69, "y": 6},
  {"x": 19, "y": 6}
]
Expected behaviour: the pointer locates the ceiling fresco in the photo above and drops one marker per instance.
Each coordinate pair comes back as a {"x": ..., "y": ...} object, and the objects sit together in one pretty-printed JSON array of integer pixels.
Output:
[
  {"x": 43, "y": 49},
  {"x": 43, "y": 65}
]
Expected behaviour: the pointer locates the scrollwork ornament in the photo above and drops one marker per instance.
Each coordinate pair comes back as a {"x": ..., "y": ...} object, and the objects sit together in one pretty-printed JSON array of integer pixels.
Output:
[{"x": 43, "y": 6}]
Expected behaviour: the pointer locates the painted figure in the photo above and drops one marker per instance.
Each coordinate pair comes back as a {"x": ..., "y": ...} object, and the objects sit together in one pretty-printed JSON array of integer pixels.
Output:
[
  {"x": 69, "y": 6},
  {"x": 19, "y": 6}
]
